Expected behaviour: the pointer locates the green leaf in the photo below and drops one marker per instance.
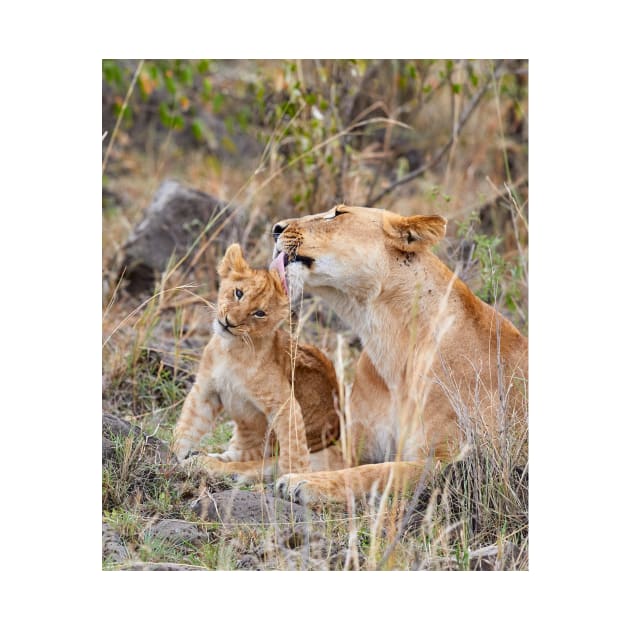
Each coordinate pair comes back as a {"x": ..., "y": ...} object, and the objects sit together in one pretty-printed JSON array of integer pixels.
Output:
[
  {"x": 165, "y": 115},
  {"x": 197, "y": 128},
  {"x": 170, "y": 84},
  {"x": 217, "y": 102},
  {"x": 243, "y": 116},
  {"x": 185, "y": 75}
]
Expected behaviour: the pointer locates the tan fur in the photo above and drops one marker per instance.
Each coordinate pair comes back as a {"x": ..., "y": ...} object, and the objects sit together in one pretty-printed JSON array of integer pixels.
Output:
[
  {"x": 272, "y": 389},
  {"x": 439, "y": 366}
]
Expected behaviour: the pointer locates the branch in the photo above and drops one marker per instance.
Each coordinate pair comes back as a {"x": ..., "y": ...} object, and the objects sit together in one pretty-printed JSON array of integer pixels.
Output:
[{"x": 463, "y": 119}]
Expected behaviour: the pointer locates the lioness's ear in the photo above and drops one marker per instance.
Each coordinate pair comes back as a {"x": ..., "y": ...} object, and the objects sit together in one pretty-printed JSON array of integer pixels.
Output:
[
  {"x": 233, "y": 261},
  {"x": 412, "y": 233}
]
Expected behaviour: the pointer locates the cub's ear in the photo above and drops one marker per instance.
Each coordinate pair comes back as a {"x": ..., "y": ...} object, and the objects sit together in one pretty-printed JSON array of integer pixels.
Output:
[
  {"x": 412, "y": 233},
  {"x": 233, "y": 261}
]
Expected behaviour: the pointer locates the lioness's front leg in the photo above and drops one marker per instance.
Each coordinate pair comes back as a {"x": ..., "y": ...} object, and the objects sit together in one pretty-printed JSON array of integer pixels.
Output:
[{"x": 337, "y": 486}]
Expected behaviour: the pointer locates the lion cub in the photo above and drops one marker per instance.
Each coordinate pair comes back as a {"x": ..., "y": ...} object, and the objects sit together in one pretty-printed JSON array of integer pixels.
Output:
[{"x": 272, "y": 389}]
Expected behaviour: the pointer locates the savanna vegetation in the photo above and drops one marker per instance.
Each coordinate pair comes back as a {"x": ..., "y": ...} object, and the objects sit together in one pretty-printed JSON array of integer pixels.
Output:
[{"x": 270, "y": 140}]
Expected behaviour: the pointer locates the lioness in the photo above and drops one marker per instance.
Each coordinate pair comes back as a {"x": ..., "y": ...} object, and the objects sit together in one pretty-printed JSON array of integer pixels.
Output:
[
  {"x": 272, "y": 388},
  {"x": 438, "y": 365}
]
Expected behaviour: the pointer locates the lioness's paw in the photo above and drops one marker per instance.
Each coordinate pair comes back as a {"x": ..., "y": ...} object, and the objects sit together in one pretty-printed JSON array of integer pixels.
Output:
[{"x": 294, "y": 487}]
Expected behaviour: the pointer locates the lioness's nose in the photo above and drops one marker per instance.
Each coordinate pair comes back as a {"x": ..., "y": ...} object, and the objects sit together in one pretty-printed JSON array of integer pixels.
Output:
[{"x": 278, "y": 228}]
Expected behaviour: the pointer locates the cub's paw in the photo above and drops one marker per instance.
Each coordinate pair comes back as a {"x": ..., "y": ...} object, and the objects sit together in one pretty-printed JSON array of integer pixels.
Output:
[
  {"x": 185, "y": 457},
  {"x": 240, "y": 472},
  {"x": 220, "y": 457},
  {"x": 212, "y": 463}
]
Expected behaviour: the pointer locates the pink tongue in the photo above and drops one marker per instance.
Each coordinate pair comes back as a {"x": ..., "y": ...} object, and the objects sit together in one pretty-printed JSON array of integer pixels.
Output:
[{"x": 277, "y": 264}]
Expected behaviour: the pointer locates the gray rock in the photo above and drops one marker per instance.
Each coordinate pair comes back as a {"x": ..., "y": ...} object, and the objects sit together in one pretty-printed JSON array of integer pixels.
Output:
[
  {"x": 172, "y": 222},
  {"x": 113, "y": 548},
  {"x": 243, "y": 506},
  {"x": 159, "y": 566},
  {"x": 176, "y": 532},
  {"x": 108, "y": 449},
  {"x": 114, "y": 426},
  {"x": 493, "y": 557},
  {"x": 248, "y": 562}
]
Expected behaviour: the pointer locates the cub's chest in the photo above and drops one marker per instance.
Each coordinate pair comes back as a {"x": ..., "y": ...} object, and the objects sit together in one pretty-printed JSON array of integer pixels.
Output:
[{"x": 233, "y": 383}]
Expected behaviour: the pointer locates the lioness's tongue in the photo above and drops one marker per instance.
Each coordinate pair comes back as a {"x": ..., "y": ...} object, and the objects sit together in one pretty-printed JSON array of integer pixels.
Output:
[{"x": 278, "y": 264}]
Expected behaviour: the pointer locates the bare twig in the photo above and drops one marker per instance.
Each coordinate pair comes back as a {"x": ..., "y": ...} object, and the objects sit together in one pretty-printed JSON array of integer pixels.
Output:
[{"x": 463, "y": 119}]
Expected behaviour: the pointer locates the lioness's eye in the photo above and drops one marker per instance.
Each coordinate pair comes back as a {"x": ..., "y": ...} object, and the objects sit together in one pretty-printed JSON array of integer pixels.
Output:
[
  {"x": 259, "y": 314},
  {"x": 238, "y": 293}
]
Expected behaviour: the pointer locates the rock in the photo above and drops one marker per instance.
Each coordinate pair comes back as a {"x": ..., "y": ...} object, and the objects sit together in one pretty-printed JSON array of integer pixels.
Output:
[
  {"x": 243, "y": 506},
  {"x": 176, "y": 532},
  {"x": 113, "y": 548},
  {"x": 109, "y": 449},
  {"x": 159, "y": 566},
  {"x": 117, "y": 427},
  {"x": 248, "y": 562},
  {"x": 179, "y": 358},
  {"x": 172, "y": 222},
  {"x": 493, "y": 557}
]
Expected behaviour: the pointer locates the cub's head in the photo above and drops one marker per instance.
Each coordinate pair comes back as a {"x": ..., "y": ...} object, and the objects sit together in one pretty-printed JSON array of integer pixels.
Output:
[
  {"x": 251, "y": 302},
  {"x": 350, "y": 249}
]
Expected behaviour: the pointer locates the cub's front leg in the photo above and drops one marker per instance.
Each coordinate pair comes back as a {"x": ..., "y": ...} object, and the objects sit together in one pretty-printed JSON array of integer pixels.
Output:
[
  {"x": 251, "y": 440},
  {"x": 201, "y": 407},
  {"x": 284, "y": 415}
]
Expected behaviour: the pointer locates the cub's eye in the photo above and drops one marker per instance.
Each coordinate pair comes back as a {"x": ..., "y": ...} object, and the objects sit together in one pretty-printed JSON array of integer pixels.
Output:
[
  {"x": 259, "y": 314},
  {"x": 238, "y": 293}
]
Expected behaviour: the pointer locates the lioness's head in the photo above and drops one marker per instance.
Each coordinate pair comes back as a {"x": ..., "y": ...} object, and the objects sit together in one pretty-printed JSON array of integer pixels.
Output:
[
  {"x": 349, "y": 248},
  {"x": 250, "y": 301}
]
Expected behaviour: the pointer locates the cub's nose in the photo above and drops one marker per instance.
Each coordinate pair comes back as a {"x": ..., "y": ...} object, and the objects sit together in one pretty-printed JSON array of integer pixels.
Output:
[{"x": 278, "y": 228}]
